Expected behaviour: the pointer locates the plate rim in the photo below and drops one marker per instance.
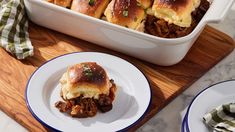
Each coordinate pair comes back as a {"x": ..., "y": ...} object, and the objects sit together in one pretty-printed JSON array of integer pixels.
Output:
[
  {"x": 188, "y": 109},
  {"x": 78, "y": 52},
  {"x": 183, "y": 124}
]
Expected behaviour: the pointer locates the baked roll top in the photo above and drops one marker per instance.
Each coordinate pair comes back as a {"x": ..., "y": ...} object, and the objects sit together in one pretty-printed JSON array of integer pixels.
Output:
[
  {"x": 87, "y": 79},
  {"x": 128, "y": 13},
  {"x": 63, "y": 3},
  {"x": 177, "y": 12},
  {"x": 94, "y": 8}
]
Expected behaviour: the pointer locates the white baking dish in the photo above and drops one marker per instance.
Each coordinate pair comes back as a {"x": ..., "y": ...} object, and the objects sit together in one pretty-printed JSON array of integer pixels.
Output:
[{"x": 161, "y": 51}]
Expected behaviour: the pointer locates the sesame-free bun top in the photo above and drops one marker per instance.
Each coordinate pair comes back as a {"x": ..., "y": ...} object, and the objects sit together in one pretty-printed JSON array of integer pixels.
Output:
[
  {"x": 87, "y": 79},
  {"x": 63, "y": 3},
  {"x": 127, "y": 13},
  {"x": 177, "y": 12},
  {"x": 94, "y": 8}
]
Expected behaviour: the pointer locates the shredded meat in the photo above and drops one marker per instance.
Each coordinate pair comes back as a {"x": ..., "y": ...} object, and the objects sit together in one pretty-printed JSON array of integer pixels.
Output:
[
  {"x": 162, "y": 28},
  {"x": 87, "y": 107},
  {"x": 104, "y": 103},
  {"x": 62, "y": 106},
  {"x": 112, "y": 90}
]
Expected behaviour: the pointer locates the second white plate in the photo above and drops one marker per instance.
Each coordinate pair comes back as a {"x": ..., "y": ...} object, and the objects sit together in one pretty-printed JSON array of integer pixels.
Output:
[{"x": 205, "y": 101}]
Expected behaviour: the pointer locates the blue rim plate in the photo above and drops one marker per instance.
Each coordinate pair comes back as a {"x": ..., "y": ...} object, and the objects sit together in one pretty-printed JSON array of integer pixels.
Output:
[
  {"x": 183, "y": 124},
  {"x": 224, "y": 92},
  {"x": 132, "y": 100}
]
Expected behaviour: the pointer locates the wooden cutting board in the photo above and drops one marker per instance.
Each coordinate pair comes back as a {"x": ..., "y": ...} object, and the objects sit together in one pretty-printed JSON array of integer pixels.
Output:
[{"x": 166, "y": 82}]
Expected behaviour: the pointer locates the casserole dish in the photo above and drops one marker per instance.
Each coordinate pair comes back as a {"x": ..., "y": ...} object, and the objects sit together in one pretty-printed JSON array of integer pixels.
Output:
[{"x": 157, "y": 50}]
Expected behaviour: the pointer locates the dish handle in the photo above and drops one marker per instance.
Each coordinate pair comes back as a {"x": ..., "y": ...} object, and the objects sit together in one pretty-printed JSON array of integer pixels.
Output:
[{"x": 218, "y": 10}]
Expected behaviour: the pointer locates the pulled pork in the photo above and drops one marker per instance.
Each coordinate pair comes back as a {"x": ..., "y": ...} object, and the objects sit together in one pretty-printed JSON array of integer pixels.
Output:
[{"x": 87, "y": 107}]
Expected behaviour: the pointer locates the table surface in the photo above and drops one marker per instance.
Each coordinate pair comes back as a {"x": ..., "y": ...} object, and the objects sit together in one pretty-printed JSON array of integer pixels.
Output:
[{"x": 225, "y": 70}]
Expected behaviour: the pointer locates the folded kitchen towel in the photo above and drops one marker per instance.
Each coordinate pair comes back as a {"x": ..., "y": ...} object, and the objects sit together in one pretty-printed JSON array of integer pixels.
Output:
[
  {"x": 14, "y": 35},
  {"x": 222, "y": 118}
]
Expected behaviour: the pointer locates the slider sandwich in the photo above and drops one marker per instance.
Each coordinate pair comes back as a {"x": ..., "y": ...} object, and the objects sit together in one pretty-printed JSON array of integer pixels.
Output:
[
  {"x": 163, "y": 18},
  {"x": 177, "y": 12},
  {"x": 174, "y": 18},
  {"x": 86, "y": 88},
  {"x": 127, "y": 13}
]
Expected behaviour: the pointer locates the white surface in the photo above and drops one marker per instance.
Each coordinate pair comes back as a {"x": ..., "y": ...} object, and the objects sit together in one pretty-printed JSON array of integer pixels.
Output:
[
  {"x": 161, "y": 51},
  {"x": 169, "y": 119},
  {"x": 209, "y": 99},
  {"x": 132, "y": 100}
]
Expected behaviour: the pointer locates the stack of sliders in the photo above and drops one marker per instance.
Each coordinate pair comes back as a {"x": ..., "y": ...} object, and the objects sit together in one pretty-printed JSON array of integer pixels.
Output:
[{"x": 163, "y": 18}]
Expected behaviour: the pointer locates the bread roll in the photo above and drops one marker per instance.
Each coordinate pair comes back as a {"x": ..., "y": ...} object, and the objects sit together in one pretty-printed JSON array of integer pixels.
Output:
[
  {"x": 177, "y": 12},
  {"x": 94, "y": 8},
  {"x": 128, "y": 13},
  {"x": 63, "y": 3},
  {"x": 87, "y": 79}
]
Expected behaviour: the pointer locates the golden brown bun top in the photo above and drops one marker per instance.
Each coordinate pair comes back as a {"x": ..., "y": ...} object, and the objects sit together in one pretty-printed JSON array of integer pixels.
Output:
[
  {"x": 145, "y": 3},
  {"x": 63, "y": 3},
  {"x": 175, "y": 5},
  {"x": 88, "y": 72},
  {"x": 88, "y": 79},
  {"x": 128, "y": 13},
  {"x": 94, "y": 8},
  {"x": 121, "y": 5}
]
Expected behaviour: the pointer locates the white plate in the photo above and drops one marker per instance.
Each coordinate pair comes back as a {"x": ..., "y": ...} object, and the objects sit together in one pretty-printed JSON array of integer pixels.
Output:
[
  {"x": 205, "y": 101},
  {"x": 131, "y": 103}
]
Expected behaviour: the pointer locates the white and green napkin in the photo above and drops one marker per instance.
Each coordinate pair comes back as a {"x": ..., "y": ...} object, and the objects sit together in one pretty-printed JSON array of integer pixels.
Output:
[
  {"x": 14, "y": 35},
  {"x": 222, "y": 118}
]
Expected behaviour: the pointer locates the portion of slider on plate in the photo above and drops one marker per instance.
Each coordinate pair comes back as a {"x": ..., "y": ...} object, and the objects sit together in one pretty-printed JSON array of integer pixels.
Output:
[{"x": 86, "y": 88}]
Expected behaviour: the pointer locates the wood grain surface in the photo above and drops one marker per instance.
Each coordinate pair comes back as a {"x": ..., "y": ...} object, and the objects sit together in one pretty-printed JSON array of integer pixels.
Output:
[{"x": 166, "y": 82}]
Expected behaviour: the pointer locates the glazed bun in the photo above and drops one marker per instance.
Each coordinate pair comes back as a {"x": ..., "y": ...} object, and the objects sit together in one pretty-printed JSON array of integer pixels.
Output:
[
  {"x": 128, "y": 13},
  {"x": 63, "y": 3},
  {"x": 87, "y": 79},
  {"x": 94, "y": 8},
  {"x": 177, "y": 12}
]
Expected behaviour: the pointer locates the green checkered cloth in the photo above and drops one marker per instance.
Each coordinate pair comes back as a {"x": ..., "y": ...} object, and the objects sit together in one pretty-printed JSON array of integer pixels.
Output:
[
  {"x": 222, "y": 118},
  {"x": 14, "y": 35}
]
